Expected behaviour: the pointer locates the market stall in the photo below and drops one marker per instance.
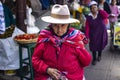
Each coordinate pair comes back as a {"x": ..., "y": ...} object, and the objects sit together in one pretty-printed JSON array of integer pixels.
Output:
[
  {"x": 9, "y": 52},
  {"x": 79, "y": 12},
  {"x": 115, "y": 40}
]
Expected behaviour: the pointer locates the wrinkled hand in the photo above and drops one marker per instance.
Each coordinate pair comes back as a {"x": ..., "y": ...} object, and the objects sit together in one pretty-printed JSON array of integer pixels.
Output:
[{"x": 54, "y": 73}]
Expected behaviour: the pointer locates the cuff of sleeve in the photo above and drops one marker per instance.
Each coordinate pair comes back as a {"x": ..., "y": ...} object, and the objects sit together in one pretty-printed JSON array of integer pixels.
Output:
[{"x": 47, "y": 69}]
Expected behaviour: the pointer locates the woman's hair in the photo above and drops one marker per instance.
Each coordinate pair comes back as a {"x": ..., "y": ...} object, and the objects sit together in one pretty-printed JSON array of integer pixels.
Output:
[
  {"x": 99, "y": 1},
  {"x": 112, "y": 2},
  {"x": 1, "y": 1}
]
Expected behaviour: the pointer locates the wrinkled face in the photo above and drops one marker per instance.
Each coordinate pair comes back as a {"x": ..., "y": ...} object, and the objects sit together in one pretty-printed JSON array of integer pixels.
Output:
[
  {"x": 60, "y": 29},
  {"x": 94, "y": 9}
]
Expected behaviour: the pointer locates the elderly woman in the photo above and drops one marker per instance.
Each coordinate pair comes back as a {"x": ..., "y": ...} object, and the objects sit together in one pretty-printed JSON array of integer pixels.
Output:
[
  {"x": 60, "y": 53},
  {"x": 113, "y": 17},
  {"x": 96, "y": 31}
]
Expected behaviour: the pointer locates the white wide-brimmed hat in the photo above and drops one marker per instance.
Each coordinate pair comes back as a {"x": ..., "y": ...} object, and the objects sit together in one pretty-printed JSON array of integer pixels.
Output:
[
  {"x": 59, "y": 15},
  {"x": 93, "y": 3}
]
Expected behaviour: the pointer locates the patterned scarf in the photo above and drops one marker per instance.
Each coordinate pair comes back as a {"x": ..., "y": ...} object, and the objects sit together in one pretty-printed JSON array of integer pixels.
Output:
[{"x": 73, "y": 38}]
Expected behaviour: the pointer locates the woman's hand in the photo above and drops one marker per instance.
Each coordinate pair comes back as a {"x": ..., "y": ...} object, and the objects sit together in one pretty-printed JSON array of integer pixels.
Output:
[
  {"x": 54, "y": 73},
  {"x": 112, "y": 15}
]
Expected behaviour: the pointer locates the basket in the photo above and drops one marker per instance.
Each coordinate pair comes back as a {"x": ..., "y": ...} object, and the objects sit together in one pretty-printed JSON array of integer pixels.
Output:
[
  {"x": 26, "y": 38},
  {"x": 24, "y": 41},
  {"x": 8, "y": 32}
]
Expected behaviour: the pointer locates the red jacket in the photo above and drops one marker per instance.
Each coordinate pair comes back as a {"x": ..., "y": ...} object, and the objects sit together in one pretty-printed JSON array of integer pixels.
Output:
[{"x": 70, "y": 59}]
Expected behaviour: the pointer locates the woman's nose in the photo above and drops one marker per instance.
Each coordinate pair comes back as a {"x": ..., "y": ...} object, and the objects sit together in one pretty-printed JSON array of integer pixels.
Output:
[{"x": 59, "y": 28}]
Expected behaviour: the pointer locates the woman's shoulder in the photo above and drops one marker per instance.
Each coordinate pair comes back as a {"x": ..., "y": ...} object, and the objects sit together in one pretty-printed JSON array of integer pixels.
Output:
[
  {"x": 113, "y": 6},
  {"x": 89, "y": 16},
  {"x": 76, "y": 34},
  {"x": 44, "y": 36},
  {"x": 45, "y": 31}
]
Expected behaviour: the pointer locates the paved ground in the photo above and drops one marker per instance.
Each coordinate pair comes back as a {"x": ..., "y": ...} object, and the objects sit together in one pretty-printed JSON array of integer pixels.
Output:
[{"x": 107, "y": 69}]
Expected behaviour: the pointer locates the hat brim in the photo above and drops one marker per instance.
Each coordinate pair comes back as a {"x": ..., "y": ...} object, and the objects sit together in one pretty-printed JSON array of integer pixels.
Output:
[{"x": 50, "y": 19}]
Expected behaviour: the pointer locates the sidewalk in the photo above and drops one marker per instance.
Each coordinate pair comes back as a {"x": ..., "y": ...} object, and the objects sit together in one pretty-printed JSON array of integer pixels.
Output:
[{"x": 108, "y": 68}]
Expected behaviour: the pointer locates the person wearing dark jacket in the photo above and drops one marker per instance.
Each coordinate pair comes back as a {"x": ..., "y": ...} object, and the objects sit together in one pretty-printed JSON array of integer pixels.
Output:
[
  {"x": 9, "y": 19},
  {"x": 102, "y": 4},
  {"x": 45, "y": 4}
]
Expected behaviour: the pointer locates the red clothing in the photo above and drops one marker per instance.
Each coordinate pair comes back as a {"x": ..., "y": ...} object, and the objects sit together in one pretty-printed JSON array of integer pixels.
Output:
[{"x": 70, "y": 58}]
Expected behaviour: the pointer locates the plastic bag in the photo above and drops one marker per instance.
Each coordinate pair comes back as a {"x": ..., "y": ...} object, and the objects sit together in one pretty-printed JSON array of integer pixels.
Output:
[{"x": 62, "y": 77}]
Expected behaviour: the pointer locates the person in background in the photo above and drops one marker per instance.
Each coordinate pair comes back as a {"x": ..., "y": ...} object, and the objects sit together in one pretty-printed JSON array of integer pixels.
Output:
[
  {"x": 108, "y": 1},
  {"x": 85, "y": 2},
  {"x": 96, "y": 31},
  {"x": 60, "y": 53},
  {"x": 103, "y": 5},
  {"x": 113, "y": 17},
  {"x": 45, "y": 4},
  {"x": 2, "y": 19},
  {"x": 9, "y": 19},
  {"x": 118, "y": 2}
]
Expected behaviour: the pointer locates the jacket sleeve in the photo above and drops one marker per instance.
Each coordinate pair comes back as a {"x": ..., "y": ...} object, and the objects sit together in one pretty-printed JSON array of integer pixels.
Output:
[
  {"x": 37, "y": 62},
  {"x": 103, "y": 14},
  {"x": 117, "y": 14},
  {"x": 87, "y": 28},
  {"x": 84, "y": 56}
]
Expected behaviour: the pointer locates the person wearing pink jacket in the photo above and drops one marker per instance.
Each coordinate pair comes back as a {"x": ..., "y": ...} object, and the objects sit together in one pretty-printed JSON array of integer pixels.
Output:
[
  {"x": 60, "y": 53},
  {"x": 113, "y": 17}
]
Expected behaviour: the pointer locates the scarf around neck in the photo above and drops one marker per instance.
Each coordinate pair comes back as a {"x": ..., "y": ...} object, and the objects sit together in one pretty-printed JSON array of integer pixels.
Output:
[{"x": 74, "y": 38}]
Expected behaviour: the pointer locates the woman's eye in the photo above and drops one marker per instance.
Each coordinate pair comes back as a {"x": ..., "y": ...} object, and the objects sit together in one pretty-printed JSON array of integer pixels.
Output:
[
  {"x": 63, "y": 24},
  {"x": 54, "y": 24}
]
